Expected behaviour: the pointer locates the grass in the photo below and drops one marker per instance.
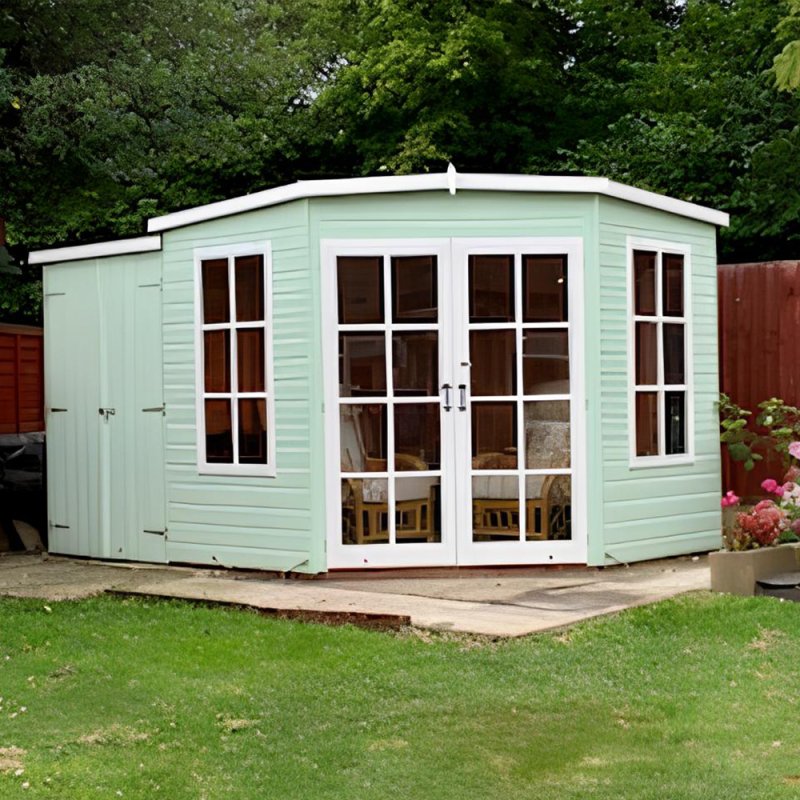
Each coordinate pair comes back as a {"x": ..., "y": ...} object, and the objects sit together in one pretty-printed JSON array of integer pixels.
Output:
[{"x": 106, "y": 698}]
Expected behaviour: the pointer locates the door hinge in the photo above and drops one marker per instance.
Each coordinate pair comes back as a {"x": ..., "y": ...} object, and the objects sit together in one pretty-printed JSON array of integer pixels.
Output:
[
  {"x": 55, "y": 525},
  {"x": 57, "y": 410},
  {"x": 155, "y": 533},
  {"x": 155, "y": 409}
]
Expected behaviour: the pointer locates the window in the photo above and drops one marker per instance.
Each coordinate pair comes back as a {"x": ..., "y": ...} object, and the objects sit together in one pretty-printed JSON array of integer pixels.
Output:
[
  {"x": 659, "y": 353},
  {"x": 233, "y": 341}
]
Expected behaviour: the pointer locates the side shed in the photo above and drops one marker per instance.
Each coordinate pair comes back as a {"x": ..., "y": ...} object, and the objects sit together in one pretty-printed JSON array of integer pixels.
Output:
[{"x": 429, "y": 370}]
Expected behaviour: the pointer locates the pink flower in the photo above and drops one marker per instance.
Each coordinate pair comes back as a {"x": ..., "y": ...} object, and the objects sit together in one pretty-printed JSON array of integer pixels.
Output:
[
  {"x": 771, "y": 486},
  {"x": 730, "y": 499},
  {"x": 792, "y": 474},
  {"x": 795, "y": 526},
  {"x": 794, "y": 449}
]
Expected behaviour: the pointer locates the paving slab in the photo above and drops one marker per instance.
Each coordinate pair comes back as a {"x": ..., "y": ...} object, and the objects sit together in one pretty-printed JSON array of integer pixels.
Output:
[{"x": 473, "y": 603}]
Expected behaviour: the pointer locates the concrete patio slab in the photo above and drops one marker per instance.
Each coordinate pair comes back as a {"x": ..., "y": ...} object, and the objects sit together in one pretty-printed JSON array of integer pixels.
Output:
[{"x": 493, "y": 605}]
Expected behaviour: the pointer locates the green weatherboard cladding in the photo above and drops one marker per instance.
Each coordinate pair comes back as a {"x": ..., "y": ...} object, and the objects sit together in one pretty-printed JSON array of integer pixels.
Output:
[{"x": 280, "y": 522}]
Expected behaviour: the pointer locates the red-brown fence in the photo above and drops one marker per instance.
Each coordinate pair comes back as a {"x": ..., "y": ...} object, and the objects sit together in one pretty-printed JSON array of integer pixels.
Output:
[
  {"x": 759, "y": 341},
  {"x": 21, "y": 379}
]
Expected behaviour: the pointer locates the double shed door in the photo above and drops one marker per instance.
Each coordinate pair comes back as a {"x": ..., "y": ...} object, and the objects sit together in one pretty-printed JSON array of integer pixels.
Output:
[
  {"x": 454, "y": 398},
  {"x": 104, "y": 410}
]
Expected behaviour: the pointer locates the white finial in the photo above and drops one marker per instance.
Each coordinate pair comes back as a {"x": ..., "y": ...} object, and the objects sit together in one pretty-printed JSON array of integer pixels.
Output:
[{"x": 451, "y": 178}]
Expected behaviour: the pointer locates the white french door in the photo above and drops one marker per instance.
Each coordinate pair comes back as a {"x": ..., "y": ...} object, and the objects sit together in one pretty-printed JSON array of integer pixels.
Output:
[{"x": 453, "y": 402}]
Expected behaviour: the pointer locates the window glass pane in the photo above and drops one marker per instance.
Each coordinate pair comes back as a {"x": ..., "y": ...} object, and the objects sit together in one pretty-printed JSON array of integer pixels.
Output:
[
  {"x": 544, "y": 288},
  {"x": 494, "y": 435},
  {"x": 415, "y": 363},
  {"x": 675, "y": 416},
  {"x": 491, "y": 288},
  {"x": 363, "y": 438},
  {"x": 362, "y": 364},
  {"x": 217, "y": 360},
  {"x": 646, "y": 353},
  {"x": 416, "y": 436},
  {"x": 545, "y": 362},
  {"x": 547, "y": 436},
  {"x": 414, "y": 289},
  {"x": 365, "y": 511},
  {"x": 216, "y": 300},
  {"x": 219, "y": 437},
  {"x": 417, "y": 514},
  {"x": 252, "y": 431},
  {"x": 548, "y": 507},
  {"x": 646, "y": 424},
  {"x": 249, "y": 288},
  {"x": 250, "y": 359},
  {"x": 495, "y": 508},
  {"x": 494, "y": 362},
  {"x": 674, "y": 371},
  {"x": 360, "y": 287},
  {"x": 672, "y": 285},
  {"x": 644, "y": 281}
]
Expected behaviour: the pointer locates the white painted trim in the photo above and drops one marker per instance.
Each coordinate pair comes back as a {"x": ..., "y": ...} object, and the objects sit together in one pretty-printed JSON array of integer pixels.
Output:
[
  {"x": 660, "y": 246},
  {"x": 230, "y": 251},
  {"x": 119, "y": 247},
  {"x": 444, "y": 181}
]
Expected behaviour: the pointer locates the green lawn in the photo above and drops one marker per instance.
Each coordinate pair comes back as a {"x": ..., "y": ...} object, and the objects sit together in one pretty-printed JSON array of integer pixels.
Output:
[{"x": 693, "y": 698}]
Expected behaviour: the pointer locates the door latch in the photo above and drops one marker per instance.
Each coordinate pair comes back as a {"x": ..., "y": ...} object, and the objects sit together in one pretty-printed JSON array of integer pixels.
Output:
[
  {"x": 462, "y": 397},
  {"x": 107, "y": 412}
]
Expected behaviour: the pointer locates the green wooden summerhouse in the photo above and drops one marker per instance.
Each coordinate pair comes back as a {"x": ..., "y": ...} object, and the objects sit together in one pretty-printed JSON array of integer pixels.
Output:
[{"x": 429, "y": 370}]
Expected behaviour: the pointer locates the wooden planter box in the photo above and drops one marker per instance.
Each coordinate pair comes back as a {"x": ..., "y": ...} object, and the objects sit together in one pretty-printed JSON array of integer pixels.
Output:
[{"x": 737, "y": 572}]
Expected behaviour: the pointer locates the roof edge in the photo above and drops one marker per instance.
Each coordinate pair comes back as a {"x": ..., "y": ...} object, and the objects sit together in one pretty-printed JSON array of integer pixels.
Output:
[
  {"x": 444, "y": 181},
  {"x": 118, "y": 247}
]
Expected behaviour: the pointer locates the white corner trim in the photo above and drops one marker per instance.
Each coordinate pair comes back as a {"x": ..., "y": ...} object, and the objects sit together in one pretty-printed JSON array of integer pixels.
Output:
[
  {"x": 449, "y": 181},
  {"x": 120, "y": 247}
]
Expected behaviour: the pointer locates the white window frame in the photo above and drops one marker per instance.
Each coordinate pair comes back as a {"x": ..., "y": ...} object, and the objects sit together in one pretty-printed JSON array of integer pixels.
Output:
[
  {"x": 661, "y": 247},
  {"x": 231, "y": 252}
]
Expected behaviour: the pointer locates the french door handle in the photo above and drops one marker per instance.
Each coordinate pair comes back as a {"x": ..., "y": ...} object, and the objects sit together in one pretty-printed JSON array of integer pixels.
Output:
[
  {"x": 462, "y": 397},
  {"x": 447, "y": 388}
]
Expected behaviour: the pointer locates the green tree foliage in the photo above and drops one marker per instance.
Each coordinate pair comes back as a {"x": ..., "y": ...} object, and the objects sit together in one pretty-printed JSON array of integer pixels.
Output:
[{"x": 112, "y": 111}]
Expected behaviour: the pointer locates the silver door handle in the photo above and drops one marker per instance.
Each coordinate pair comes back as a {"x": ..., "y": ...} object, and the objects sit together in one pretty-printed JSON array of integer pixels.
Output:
[
  {"x": 462, "y": 397},
  {"x": 447, "y": 399},
  {"x": 107, "y": 412}
]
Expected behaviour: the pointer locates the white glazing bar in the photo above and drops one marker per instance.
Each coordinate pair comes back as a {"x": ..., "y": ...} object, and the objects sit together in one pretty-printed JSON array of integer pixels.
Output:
[
  {"x": 521, "y": 439},
  {"x": 234, "y": 345},
  {"x": 387, "y": 316}
]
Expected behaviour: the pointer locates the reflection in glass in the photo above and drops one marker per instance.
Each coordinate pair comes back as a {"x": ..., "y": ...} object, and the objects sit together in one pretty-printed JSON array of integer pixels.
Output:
[
  {"x": 414, "y": 289},
  {"x": 494, "y": 362},
  {"x": 416, "y": 436},
  {"x": 360, "y": 289},
  {"x": 673, "y": 354},
  {"x": 675, "y": 418},
  {"x": 644, "y": 277},
  {"x": 417, "y": 515},
  {"x": 216, "y": 300},
  {"x": 249, "y": 288},
  {"x": 491, "y": 288},
  {"x": 646, "y": 424},
  {"x": 646, "y": 353},
  {"x": 362, "y": 364},
  {"x": 548, "y": 507},
  {"x": 365, "y": 511},
  {"x": 547, "y": 434},
  {"x": 217, "y": 360},
  {"x": 250, "y": 359},
  {"x": 252, "y": 431},
  {"x": 415, "y": 363},
  {"x": 494, "y": 435},
  {"x": 363, "y": 438},
  {"x": 219, "y": 436},
  {"x": 545, "y": 362},
  {"x": 544, "y": 288},
  {"x": 495, "y": 507},
  {"x": 672, "y": 284}
]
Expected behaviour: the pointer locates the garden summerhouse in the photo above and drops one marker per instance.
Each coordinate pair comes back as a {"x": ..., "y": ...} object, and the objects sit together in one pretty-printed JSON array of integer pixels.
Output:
[{"x": 432, "y": 370}]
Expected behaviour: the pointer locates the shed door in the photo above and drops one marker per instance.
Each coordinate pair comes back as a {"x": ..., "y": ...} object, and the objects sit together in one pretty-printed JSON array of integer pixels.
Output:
[{"x": 105, "y": 410}]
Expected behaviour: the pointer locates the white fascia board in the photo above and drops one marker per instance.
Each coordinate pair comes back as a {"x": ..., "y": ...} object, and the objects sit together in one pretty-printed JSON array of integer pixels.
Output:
[
  {"x": 299, "y": 191},
  {"x": 449, "y": 181},
  {"x": 142, "y": 244}
]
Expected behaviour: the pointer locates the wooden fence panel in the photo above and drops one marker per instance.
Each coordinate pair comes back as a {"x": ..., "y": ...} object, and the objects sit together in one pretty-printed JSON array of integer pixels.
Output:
[{"x": 21, "y": 379}]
